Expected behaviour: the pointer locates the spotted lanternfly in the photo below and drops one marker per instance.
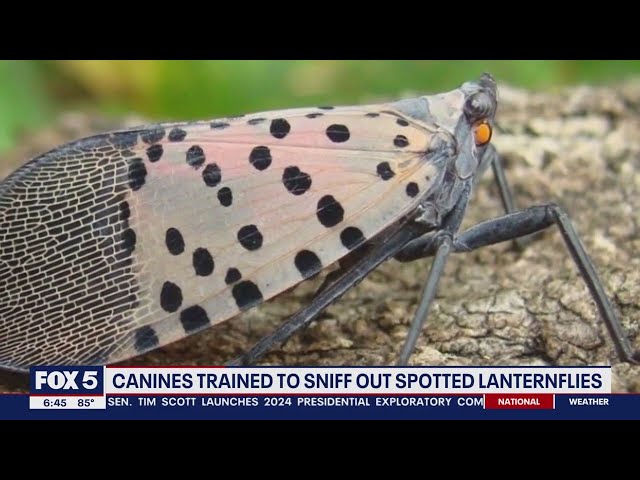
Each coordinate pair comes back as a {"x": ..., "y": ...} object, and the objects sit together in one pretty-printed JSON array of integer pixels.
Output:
[{"x": 120, "y": 243}]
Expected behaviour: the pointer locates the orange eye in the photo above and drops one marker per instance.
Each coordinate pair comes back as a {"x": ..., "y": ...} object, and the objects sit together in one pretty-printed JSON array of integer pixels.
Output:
[{"x": 482, "y": 133}]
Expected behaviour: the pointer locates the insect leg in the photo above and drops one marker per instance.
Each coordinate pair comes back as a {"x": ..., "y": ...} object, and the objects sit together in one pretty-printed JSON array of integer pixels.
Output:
[
  {"x": 438, "y": 243},
  {"x": 533, "y": 220},
  {"x": 382, "y": 251},
  {"x": 443, "y": 249},
  {"x": 506, "y": 195},
  {"x": 491, "y": 157}
]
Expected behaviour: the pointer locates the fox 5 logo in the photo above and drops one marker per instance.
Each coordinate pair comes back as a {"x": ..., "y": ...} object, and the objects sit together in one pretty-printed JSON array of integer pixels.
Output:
[{"x": 67, "y": 380}]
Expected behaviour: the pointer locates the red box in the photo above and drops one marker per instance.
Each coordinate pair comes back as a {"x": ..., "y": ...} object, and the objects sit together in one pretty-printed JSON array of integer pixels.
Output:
[{"x": 528, "y": 401}]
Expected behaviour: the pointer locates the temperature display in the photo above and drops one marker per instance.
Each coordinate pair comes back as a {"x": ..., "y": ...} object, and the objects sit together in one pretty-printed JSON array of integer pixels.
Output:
[{"x": 67, "y": 402}]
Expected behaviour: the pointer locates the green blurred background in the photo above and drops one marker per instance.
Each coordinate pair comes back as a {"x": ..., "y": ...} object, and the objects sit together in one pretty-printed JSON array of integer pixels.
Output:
[{"x": 33, "y": 92}]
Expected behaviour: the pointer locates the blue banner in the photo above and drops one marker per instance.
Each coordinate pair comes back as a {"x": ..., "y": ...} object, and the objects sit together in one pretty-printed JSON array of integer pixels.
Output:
[{"x": 324, "y": 407}]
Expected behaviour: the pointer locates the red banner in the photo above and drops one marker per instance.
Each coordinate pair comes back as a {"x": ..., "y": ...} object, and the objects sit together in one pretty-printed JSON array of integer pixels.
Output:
[{"x": 540, "y": 401}]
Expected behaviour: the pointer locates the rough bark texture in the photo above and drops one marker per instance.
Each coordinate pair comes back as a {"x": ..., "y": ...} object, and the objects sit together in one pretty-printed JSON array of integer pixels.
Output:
[{"x": 578, "y": 147}]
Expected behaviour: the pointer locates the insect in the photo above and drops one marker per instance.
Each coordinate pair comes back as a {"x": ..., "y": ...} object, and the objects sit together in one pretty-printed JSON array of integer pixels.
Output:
[{"x": 120, "y": 243}]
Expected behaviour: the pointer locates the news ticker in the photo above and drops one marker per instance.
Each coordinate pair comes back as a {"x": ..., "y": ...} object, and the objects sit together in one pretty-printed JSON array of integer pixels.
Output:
[{"x": 345, "y": 391}]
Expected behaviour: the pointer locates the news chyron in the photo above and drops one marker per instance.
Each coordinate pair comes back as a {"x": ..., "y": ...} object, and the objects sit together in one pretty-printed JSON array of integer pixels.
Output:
[{"x": 320, "y": 392}]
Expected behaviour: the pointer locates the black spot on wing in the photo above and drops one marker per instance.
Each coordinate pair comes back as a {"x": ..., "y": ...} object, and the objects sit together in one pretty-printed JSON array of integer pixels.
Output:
[
  {"x": 296, "y": 181},
  {"x": 351, "y": 237},
  {"x": 212, "y": 175},
  {"x": 384, "y": 171},
  {"x": 137, "y": 173},
  {"x": 125, "y": 211},
  {"x": 314, "y": 115},
  {"x": 174, "y": 241},
  {"x": 307, "y": 263},
  {"x": 279, "y": 128},
  {"x": 202, "y": 262},
  {"x": 219, "y": 125},
  {"x": 154, "y": 152},
  {"x": 338, "y": 133},
  {"x": 255, "y": 121},
  {"x": 129, "y": 240},
  {"x": 400, "y": 141},
  {"x": 260, "y": 157},
  {"x": 232, "y": 276},
  {"x": 170, "y": 297},
  {"x": 250, "y": 237},
  {"x": 145, "y": 339},
  {"x": 177, "y": 135},
  {"x": 195, "y": 156},
  {"x": 152, "y": 135},
  {"x": 329, "y": 211},
  {"x": 194, "y": 318},
  {"x": 225, "y": 196},
  {"x": 412, "y": 189},
  {"x": 246, "y": 294}
]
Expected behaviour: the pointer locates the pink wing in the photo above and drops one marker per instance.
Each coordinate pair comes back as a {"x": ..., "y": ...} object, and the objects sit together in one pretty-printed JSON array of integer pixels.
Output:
[{"x": 139, "y": 238}]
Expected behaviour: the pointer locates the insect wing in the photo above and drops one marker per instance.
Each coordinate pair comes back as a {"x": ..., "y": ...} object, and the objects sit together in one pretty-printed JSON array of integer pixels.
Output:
[{"x": 121, "y": 243}]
